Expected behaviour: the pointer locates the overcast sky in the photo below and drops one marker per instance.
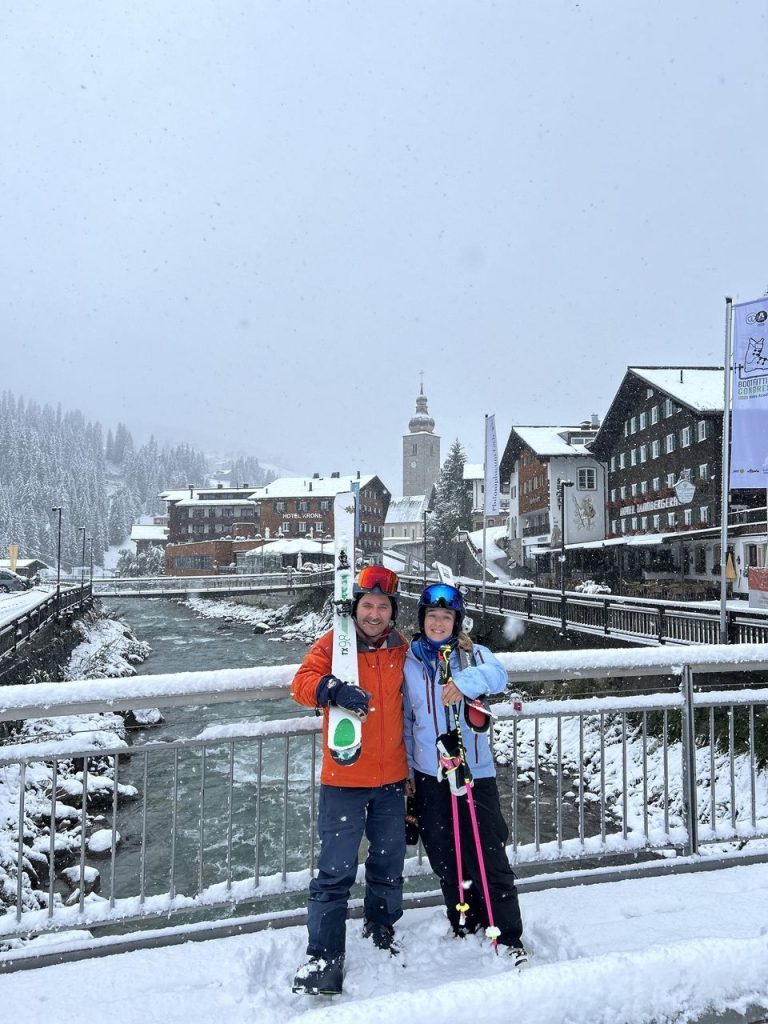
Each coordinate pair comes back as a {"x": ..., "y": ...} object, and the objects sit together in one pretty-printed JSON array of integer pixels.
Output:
[{"x": 251, "y": 224}]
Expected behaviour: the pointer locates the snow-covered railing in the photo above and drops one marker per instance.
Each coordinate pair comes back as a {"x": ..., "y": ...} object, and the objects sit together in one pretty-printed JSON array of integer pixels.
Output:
[
  {"x": 110, "y": 829},
  {"x": 634, "y": 619},
  {"x": 159, "y": 586},
  {"x": 16, "y": 632}
]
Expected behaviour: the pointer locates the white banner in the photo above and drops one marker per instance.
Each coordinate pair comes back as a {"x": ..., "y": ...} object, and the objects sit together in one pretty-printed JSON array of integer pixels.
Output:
[
  {"x": 749, "y": 415},
  {"x": 492, "y": 496}
]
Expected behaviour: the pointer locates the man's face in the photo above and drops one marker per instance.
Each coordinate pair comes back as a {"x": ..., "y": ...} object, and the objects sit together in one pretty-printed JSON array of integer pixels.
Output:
[{"x": 373, "y": 615}]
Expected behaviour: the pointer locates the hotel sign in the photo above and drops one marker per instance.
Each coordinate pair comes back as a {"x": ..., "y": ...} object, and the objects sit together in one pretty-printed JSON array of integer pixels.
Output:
[{"x": 649, "y": 506}]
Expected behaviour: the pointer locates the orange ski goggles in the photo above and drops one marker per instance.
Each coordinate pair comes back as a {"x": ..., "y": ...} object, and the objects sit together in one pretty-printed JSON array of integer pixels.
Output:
[{"x": 377, "y": 577}]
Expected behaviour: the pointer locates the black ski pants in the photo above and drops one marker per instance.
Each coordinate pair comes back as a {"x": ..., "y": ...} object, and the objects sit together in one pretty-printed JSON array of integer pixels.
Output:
[{"x": 433, "y": 807}]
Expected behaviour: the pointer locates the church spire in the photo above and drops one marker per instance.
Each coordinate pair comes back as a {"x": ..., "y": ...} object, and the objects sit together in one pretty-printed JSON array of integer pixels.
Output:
[{"x": 421, "y": 422}]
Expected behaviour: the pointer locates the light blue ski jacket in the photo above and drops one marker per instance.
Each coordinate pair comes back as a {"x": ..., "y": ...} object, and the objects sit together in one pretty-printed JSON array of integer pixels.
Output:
[{"x": 425, "y": 717}]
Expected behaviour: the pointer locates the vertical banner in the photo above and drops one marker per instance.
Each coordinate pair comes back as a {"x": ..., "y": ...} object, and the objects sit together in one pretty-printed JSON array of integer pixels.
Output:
[
  {"x": 492, "y": 505},
  {"x": 749, "y": 415}
]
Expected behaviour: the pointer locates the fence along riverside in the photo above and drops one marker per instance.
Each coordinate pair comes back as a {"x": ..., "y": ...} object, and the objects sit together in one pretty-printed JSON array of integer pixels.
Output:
[{"x": 237, "y": 801}]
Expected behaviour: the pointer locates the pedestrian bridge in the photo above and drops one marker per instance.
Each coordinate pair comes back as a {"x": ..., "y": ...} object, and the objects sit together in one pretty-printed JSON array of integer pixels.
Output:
[
  {"x": 183, "y": 586},
  {"x": 178, "y": 835}
]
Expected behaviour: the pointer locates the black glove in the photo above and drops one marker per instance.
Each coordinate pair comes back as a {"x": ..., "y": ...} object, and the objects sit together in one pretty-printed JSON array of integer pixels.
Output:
[{"x": 332, "y": 692}]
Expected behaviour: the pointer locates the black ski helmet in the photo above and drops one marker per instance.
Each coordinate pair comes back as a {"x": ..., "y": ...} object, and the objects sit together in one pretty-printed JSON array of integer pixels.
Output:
[
  {"x": 376, "y": 579},
  {"x": 442, "y": 595}
]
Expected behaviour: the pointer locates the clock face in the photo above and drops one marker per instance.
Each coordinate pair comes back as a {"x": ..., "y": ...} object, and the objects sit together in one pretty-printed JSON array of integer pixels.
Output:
[{"x": 413, "y": 464}]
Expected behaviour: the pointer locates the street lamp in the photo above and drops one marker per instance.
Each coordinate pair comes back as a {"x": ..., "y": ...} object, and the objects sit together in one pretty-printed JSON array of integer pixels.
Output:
[
  {"x": 561, "y": 485},
  {"x": 82, "y": 564},
  {"x": 90, "y": 578},
  {"x": 57, "y": 508},
  {"x": 427, "y": 511}
]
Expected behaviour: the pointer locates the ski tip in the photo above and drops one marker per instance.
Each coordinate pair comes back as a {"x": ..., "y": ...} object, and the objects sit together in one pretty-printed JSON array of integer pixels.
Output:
[{"x": 346, "y": 757}]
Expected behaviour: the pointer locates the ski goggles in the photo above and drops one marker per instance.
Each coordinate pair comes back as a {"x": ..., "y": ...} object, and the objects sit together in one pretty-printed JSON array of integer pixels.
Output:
[
  {"x": 441, "y": 595},
  {"x": 378, "y": 577}
]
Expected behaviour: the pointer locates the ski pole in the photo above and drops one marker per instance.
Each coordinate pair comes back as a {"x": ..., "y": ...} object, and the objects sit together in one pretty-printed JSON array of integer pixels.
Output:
[{"x": 491, "y": 931}]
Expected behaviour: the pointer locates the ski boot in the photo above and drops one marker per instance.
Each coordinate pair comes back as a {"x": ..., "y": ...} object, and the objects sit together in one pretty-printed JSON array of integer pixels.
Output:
[{"x": 320, "y": 976}]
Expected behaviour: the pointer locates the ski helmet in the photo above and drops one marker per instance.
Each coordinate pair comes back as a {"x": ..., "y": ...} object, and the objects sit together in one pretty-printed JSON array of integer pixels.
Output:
[{"x": 442, "y": 595}]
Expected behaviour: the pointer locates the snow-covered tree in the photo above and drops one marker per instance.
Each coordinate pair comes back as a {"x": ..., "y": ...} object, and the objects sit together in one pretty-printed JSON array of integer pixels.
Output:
[{"x": 453, "y": 505}]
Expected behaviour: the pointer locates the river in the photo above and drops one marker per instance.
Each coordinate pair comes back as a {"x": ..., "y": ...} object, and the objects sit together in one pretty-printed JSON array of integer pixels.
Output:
[{"x": 183, "y": 642}]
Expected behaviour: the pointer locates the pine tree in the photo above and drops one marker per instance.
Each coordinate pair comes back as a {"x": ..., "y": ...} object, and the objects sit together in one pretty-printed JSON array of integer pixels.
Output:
[{"x": 453, "y": 505}]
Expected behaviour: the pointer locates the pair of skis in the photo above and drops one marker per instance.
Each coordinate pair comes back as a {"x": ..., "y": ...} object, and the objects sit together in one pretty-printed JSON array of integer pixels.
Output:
[{"x": 345, "y": 736}]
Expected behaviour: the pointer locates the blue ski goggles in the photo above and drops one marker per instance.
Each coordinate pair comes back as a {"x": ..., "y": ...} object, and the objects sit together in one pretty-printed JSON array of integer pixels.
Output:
[{"x": 441, "y": 595}]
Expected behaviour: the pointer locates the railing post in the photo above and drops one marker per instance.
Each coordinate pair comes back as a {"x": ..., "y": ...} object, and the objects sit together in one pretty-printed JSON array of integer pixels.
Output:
[
  {"x": 529, "y": 604},
  {"x": 688, "y": 737},
  {"x": 660, "y": 613},
  {"x": 606, "y": 616}
]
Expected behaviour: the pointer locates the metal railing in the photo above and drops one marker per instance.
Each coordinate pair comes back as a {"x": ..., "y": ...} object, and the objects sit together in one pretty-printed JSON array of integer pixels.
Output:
[
  {"x": 224, "y": 817},
  {"x": 160, "y": 586},
  {"x": 638, "y": 620},
  {"x": 27, "y": 624}
]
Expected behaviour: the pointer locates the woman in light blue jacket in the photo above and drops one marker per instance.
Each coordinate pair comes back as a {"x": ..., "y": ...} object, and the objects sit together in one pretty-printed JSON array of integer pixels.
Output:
[{"x": 430, "y": 698}]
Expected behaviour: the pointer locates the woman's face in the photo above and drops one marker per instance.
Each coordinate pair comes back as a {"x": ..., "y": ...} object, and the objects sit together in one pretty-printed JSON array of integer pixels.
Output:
[{"x": 438, "y": 623}]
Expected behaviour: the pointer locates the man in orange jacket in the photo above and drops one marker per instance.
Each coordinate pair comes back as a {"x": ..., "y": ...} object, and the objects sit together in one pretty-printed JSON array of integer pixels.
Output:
[{"x": 366, "y": 797}]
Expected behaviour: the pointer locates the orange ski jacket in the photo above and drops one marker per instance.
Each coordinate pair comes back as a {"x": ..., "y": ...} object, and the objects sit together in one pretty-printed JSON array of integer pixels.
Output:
[{"x": 382, "y": 759}]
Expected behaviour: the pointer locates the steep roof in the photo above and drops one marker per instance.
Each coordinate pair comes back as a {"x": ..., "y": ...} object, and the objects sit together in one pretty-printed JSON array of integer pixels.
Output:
[
  {"x": 299, "y": 486},
  {"x": 406, "y": 510},
  {"x": 701, "y": 388}
]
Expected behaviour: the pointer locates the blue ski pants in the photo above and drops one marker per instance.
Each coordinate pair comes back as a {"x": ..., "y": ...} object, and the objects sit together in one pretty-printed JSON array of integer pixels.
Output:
[{"x": 345, "y": 814}]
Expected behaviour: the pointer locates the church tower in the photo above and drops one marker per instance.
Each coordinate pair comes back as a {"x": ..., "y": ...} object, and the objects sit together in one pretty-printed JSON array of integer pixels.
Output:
[{"x": 421, "y": 451}]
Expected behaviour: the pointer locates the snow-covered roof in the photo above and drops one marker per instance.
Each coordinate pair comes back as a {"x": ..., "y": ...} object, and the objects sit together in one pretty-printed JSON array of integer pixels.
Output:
[
  {"x": 698, "y": 387},
  {"x": 198, "y": 502},
  {"x": 146, "y": 531},
  {"x": 299, "y": 486},
  {"x": 291, "y": 547},
  {"x": 474, "y": 471},
  {"x": 21, "y": 563},
  {"x": 406, "y": 510},
  {"x": 549, "y": 441}
]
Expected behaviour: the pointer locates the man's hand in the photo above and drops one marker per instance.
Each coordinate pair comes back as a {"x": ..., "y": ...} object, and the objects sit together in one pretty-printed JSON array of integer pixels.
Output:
[{"x": 333, "y": 692}]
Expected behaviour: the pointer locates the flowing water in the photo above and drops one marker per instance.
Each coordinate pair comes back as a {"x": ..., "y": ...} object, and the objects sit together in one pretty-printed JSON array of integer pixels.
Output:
[{"x": 183, "y": 642}]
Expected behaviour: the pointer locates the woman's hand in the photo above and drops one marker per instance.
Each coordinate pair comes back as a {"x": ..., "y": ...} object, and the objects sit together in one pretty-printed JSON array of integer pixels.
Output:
[{"x": 451, "y": 694}]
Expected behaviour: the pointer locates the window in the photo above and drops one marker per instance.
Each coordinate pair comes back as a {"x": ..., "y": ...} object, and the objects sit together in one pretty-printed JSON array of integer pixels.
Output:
[
  {"x": 626, "y": 428},
  {"x": 654, "y": 414},
  {"x": 279, "y": 506},
  {"x": 633, "y": 457},
  {"x": 622, "y": 460},
  {"x": 655, "y": 449},
  {"x": 656, "y": 483},
  {"x": 643, "y": 486},
  {"x": 649, "y": 392},
  {"x": 669, "y": 408},
  {"x": 643, "y": 452},
  {"x": 614, "y": 526},
  {"x": 587, "y": 480},
  {"x": 633, "y": 490},
  {"x": 623, "y": 525},
  {"x": 623, "y": 492},
  {"x": 670, "y": 480},
  {"x": 669, "y": 443},
  {"x": 302, "y": 527},
  {"x": 325, "y": 505},
  {"x": 643, "y": 421},
  {"x": 685, "y": 437},
  {"x": 656, "y": 522},
  {"x": 701, "y": 560},
  {"x": 702, "y": 430},
  {"x": 643, "y": 522},
  {"x": 614, "y": 493},
  {"x": 704, "y": 514},
  {"x": 302, "y": 506},
  {"x": 613, "y": 463},
  {"x": 704, "y": 472},
  {"x": 688, "y": 516},
  {"x": 414, "y": 449},
  {"x": 633, "y": 425},
  {"x": 634, "y": 522},
  {"x": 672, "y": 519}
]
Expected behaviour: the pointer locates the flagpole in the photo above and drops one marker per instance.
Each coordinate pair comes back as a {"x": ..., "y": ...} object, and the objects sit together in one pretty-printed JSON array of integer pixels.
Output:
[
  {"x": 726, "y": 471},
  {"x": 485, "y": 518}
]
